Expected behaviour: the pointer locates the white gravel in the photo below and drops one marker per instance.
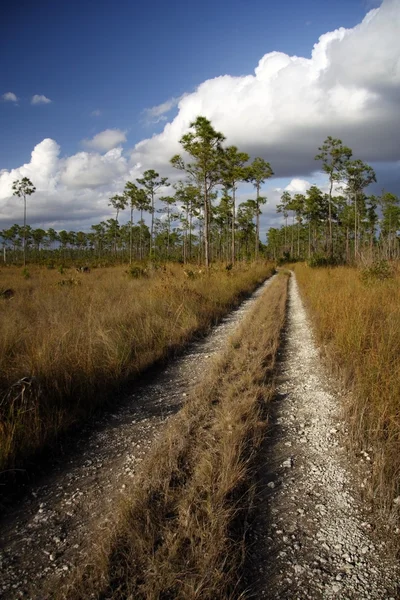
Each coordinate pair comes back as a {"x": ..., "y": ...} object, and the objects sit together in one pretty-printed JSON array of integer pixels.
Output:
[{"x": 312, "y": 536}]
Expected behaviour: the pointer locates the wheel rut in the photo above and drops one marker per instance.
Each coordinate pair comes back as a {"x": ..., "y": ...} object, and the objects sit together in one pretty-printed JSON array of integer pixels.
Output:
[
  {"x": 68, "y": 511},
  {"x": 312, "y": 536}
]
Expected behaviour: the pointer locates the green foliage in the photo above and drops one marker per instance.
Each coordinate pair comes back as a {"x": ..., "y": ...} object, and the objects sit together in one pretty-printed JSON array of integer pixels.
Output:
[
  {"x": 342, "y": 225},
  {"x": 334, "y": 157},
  {"x": 137, "y": 272},
  {"x": 259, "y": 171},
  {"x": 199, "y": 224},
  {"x": 25, "y": 273},
  {"x": 204, "y": 145},
  {"x": 23, "y": 187},
  {"x": 319, "y": 260},
  {"x": 379, "y": 270},
  {"x": 286, "y": 258}
]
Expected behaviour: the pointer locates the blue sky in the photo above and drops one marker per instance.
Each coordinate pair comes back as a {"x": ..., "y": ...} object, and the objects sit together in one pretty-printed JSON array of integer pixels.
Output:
[
  {"x": 116, "y": 84},
  {"x": 122, "y": 57}
]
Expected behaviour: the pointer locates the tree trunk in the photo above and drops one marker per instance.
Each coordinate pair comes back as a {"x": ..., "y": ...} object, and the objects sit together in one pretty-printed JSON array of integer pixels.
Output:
[
  {"x": 285, "y": 233},
  {"x": 233, "y": 225},
  {"x": 130, "y": 237},
  {"x": 169, "y": 229},
  {"x": 257, "y": 221},
  {"x": 206, "y": 227},
  {"x": 200, "y": 246},
  {"x": 141, "y": 236},
  {"x": 355, "y": 228},
  {"x": 24, "y": 241},
  {"x": 298, "y": 239},
  {"x": 330, "y": 249},
  {"x": 292, "y": 239},
  {"x": 152, "y": 225},
  {"x": 185, "y": 238},
  {"x": 116, "y": 230},
  {"x": 190, "y": 234}
]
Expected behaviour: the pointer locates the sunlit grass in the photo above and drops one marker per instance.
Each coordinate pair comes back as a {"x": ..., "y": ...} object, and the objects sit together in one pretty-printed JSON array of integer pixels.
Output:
[
  {"x": 358, "y": 322},
  {"x": 78, "y": 341}
]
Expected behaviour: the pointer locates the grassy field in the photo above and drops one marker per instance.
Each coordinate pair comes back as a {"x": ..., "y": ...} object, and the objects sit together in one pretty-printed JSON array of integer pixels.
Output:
[
  {"x": 357, "y": 320},
  {"x": 180, "y": 534},
  {"x": 75, "y": 337}
]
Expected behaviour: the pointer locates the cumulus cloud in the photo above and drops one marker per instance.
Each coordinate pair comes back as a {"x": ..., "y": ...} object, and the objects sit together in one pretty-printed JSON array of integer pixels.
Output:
[
  {"x": 348, "y": 88},
  {"x": 72, "y": 190},
  {"x": 297, "y": 186},
  {"x": 10, "y": 97},
  {"x": 106, "y": 140},
  {"x": 92, "y": 170},
  {"x": 40, "y": 99},
  {"x": 43, "y": 169}
]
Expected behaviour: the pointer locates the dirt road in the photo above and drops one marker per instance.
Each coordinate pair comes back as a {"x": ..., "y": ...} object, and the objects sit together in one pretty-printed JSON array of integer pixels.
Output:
[{"x": 312, "y": 535}]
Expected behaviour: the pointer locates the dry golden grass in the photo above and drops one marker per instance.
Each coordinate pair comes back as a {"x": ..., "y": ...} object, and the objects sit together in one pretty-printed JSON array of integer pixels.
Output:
[
  {"x": 180, "y": 534},
  {"x": 358, "y": 322},
  {"x": 81, "y": 339}
]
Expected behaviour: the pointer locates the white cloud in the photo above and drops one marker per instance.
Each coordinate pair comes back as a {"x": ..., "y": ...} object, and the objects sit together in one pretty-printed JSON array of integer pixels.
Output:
[
  {"x": 43, "y": 169},
  {"x": 10, "y": 97},
  {"x": 349, "y": 88},
  {"x": 40, "y": 99},
  {"x": 106, "y": 140},
  {"x": 157, "y": 113},
  {"x": 72, "y": 190},
  {"x": 95, "y": 113},
  {"x": 297, "y": 186},
  {"x": 92, "y": 170}
]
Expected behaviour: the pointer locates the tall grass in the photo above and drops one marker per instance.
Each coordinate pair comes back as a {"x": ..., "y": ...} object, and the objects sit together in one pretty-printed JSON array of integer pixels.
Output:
[
  {"x": 179, "y": 534},
  {"x": 75, "y": 337},
  {"x": 357, "y": 319}
]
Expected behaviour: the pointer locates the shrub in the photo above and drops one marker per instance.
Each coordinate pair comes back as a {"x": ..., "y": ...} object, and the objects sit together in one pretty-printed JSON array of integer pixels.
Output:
[
  {"x": 378, "y": 270},
  {"x": 137, "y": 272},
  {"x": 320, "y": 260}
]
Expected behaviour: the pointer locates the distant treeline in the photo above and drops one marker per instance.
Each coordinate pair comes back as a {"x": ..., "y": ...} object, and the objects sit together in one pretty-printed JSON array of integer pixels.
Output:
[
  {"x": 341, "y": 226},
  {"x": 199, "y": 220}
]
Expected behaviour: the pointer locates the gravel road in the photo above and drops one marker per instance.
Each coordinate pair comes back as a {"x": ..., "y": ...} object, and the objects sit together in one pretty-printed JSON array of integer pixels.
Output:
[
  {"x": 312, "y": 535},
  {"x": 54, "y": 528}
]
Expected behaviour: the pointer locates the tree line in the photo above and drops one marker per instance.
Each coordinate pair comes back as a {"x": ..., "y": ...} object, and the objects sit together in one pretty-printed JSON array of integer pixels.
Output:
[
  {"x": 343, "y": 224},
  {"x": 199, "y": 220}
]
